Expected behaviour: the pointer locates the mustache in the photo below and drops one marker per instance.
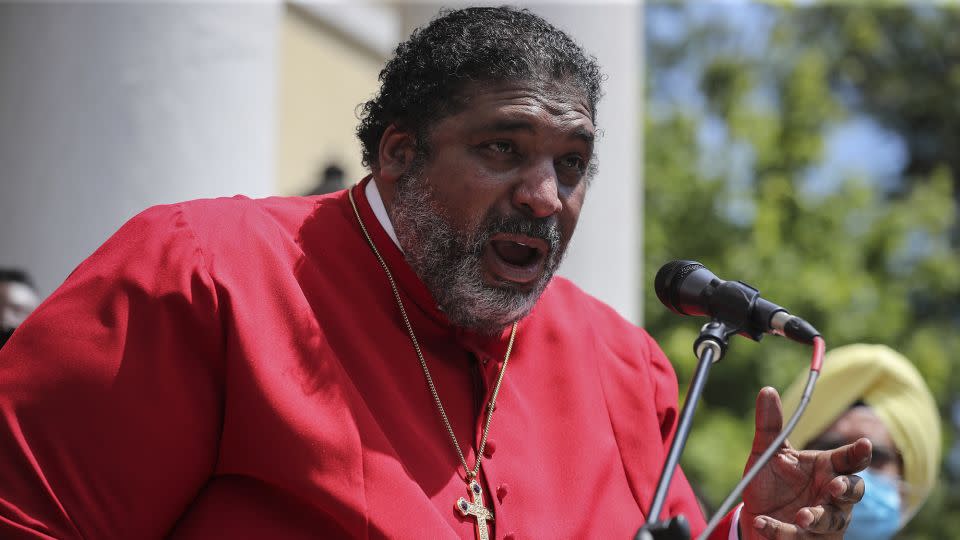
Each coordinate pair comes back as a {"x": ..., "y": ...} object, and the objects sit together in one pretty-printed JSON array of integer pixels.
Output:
[{"x": 546, "y": 229}]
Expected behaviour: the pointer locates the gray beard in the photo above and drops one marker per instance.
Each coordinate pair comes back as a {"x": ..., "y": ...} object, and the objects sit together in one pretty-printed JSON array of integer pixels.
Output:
[{"x": 448, "y": 260}]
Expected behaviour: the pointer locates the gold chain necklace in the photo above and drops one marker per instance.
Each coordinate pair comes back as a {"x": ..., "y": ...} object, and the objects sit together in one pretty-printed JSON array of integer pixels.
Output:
[{"x": 476, "y": 508}]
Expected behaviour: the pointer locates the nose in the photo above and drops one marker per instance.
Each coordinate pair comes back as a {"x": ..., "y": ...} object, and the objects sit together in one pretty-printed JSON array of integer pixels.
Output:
[{"x": 537, "y": 193}]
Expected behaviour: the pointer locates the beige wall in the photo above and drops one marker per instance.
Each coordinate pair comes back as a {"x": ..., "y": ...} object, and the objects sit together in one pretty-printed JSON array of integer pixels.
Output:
[{"x": 324, "y": 76}]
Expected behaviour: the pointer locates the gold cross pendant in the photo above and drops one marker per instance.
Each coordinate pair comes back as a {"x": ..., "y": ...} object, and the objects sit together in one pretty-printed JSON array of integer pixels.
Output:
[{"x": 476, "y": 509}]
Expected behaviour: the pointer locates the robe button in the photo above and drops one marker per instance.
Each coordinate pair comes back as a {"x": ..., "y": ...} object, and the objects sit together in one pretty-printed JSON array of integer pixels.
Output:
[
  {"x": 489, "y": 449},
  {"x": 502, "y": 492}
]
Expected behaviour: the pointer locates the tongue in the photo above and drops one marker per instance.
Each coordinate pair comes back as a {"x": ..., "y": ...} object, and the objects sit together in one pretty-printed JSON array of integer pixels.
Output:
[{"x": 514, "y": 253}]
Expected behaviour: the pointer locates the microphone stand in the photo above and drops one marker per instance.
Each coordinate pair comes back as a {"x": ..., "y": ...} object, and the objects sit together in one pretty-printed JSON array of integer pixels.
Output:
[{"x": 709, "y": 347}]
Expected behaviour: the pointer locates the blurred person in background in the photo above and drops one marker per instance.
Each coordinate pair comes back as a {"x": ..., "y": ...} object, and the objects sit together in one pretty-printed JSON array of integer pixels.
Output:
[
  {"x": 331, "y": 179},
  {"x": 875, "y": 392},
  {"x": 18, "y": 298}
]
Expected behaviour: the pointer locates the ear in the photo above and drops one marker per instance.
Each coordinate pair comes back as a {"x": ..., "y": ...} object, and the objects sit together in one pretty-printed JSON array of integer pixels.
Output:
[{"x": 396, "y": 153}]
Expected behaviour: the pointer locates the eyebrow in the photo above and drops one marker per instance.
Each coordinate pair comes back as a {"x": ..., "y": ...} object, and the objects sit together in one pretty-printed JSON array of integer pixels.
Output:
[
  {"x": 585, "y": 135},
  {"x": 522, "y": 125}
]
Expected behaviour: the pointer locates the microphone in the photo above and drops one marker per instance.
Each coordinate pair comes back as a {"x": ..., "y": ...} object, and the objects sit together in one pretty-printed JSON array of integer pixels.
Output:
[{"x": 689, "y": 288}]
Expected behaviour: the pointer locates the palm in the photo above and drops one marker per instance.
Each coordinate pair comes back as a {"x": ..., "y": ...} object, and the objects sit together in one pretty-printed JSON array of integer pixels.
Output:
[{"x": 791, "y": 481}]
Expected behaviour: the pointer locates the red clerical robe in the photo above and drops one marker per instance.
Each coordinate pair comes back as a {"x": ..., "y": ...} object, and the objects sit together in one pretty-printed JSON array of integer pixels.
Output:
[{"x": 238, "y": 368}]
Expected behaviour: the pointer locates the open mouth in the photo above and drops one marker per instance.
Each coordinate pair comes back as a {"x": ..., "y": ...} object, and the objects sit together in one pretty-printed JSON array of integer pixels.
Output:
[{"x": 515, "y": 258}]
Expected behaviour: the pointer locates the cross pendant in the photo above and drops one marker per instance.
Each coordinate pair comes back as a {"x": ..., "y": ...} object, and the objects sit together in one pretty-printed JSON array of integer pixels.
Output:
[{"x": 476, "y": 509}]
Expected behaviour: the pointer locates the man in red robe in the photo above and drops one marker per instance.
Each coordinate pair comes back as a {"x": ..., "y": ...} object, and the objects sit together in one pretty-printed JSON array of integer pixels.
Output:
[{"x": 390, "y": 361}]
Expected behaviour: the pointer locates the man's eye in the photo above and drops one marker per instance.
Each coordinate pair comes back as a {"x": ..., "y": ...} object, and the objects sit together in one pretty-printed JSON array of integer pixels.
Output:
[
  {"x": 884, "y": 455},
  {"x": 502, "y": 147},
  {"x": 574, "y": 162}
]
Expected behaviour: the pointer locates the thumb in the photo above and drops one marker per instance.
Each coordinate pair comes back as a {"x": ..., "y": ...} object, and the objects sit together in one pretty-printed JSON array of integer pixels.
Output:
[{"x": 769, "y": 419}]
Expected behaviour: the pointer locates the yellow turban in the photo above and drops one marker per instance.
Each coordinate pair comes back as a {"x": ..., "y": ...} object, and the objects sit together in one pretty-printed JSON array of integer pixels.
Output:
[{"x": 889, "y": 383}]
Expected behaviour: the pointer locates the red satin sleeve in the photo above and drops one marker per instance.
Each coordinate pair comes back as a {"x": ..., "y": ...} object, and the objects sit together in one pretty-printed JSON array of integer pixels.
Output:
[{"x": 109, "y": 394}]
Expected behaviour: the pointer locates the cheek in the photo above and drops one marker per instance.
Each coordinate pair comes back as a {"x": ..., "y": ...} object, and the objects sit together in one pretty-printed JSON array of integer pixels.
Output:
[
  {"x": 470, "y": 202},
  {"x": 457, "y": 181},
  {"x": 571, "y": 213},
  {"x": 465, "y": 205}
]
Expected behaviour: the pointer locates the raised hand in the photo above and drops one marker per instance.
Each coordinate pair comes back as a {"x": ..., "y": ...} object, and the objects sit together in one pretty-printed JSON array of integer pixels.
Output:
[{"x": 799, "y": 494}]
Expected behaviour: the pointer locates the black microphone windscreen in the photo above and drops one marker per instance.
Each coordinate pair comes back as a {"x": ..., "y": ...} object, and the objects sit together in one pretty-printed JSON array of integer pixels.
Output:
[{"x": 669, "y": 278}]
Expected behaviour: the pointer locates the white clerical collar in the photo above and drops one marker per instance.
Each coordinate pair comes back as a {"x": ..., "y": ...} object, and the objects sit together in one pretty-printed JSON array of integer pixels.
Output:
[{"x": 379, "y": 210}]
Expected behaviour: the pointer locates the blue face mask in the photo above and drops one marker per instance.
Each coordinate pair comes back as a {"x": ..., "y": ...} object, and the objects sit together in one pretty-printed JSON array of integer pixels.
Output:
[{"x": 877, "y": 515}]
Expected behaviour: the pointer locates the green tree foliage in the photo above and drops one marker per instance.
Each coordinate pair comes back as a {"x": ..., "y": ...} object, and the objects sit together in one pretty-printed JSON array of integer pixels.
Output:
[
  {"x": 901, "y": 64},
  {"x": 731, "y": 172}
]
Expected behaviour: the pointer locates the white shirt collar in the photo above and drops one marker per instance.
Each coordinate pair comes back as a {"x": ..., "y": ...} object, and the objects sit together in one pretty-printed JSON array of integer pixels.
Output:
[{"x": 379, "y": 210}]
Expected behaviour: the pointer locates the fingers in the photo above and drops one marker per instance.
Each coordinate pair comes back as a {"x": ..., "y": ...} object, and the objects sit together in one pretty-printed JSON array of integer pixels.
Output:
[
  {"x": 823, "y": 519},
  {"x": 811, "y": 523},
  {"x": 851, "y": 458},
  {"x": 772, "y": 529},
  {"x": 769, "y": 419},
  {"x": 846, "y": 490},
  {"x": 830, "y": 518}
]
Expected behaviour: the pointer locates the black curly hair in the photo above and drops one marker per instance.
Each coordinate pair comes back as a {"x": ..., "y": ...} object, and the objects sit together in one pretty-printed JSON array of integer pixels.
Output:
[
  {"x": 16, "y": 275},
  {"x": 421, "y": 84}
]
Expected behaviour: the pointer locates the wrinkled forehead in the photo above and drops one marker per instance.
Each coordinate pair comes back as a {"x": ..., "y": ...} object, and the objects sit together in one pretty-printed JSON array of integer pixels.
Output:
[{"x": 558, "y": 96}]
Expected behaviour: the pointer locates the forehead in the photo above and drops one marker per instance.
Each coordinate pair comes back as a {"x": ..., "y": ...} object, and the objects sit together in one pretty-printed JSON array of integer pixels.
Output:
[
  {"x": 16, "y": 293},
  {"x": 860, "y": 422},
  {"x": 553, "y": 102}
]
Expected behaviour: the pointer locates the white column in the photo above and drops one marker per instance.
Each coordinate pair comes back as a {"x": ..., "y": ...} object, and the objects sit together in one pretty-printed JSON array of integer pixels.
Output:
[
  {"x": 605, "y": 255},
  {"x": 106, "y": 109}
]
